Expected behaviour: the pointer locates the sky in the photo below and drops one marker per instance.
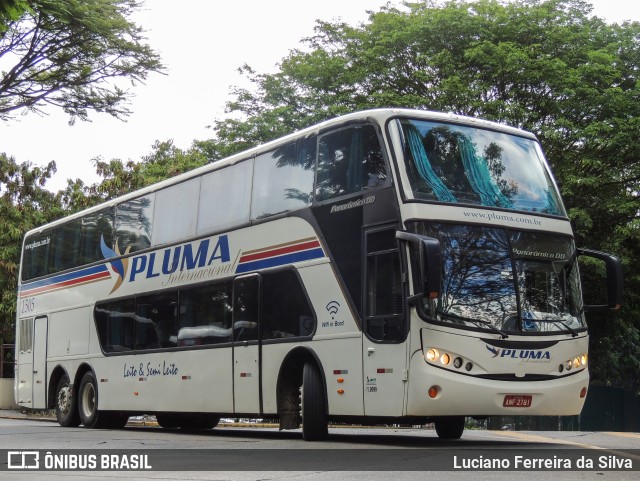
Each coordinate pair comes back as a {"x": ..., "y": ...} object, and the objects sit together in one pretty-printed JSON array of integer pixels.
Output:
[{"x": 202, "y": 43}]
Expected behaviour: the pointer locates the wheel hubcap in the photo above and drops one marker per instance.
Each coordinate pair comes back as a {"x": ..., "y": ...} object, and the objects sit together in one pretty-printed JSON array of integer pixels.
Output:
[
  {"x": 64, "y": 399},
  {"x": 88, "y": 400}
]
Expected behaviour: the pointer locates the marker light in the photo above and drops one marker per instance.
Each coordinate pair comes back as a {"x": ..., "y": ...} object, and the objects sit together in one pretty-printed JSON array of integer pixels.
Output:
[
  {"x": 583, "y": 392},
  {"x": 583, "y": 359},
  {"x": 432, "y": 355},
  {"x": 433, "y": 391},
  {"x": 445, "y": 359}
]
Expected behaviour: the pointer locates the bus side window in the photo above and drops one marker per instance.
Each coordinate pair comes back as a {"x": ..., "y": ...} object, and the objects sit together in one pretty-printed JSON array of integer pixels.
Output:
[
  {"x": 115, "y": 325},
  {"x": 246, "y": 308},
  {"x": 156, "y": 318},
  {"x": 286, "y": 312},
  {"x": 350, "y": 160},
  {"x": 384, "y": 320}
]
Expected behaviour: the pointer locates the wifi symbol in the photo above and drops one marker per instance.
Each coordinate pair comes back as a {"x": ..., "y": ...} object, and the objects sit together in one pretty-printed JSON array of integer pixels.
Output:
[{"x": 333, "y": 308}]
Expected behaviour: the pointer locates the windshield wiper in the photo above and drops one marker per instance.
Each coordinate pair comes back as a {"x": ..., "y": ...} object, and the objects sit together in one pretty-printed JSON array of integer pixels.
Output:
[
  {"x": 558, "y": 321},
  {"x": 475, "y": 321}
]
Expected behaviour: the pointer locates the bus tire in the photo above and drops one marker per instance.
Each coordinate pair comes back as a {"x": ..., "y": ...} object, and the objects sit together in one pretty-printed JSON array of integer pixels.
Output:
[
  {"x": 314, "y": 411},
  {"x": 449, "y": 427},
  {"x": 167, "y": 421},
  {"x": 198, "y": 422},
  {"x": 116, "y": 420},
  {"x": 88, "y": 403},
  {"x": 66, "y": 406}
]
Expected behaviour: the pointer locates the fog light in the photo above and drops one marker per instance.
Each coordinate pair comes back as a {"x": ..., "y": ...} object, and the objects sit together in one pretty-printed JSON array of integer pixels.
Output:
[
  {"x": 568, "y": 365},
  {"x": 432, "y": 355},
  {"x": 576, "y": 362},
  {"x": 445, "y": 359},
  {"x": 457, "y": 362},
  {"x": 561, "y": 368}
]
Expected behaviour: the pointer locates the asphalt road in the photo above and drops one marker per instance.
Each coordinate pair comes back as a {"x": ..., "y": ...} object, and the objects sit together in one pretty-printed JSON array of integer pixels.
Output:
[{"x": 259, "y": 453}]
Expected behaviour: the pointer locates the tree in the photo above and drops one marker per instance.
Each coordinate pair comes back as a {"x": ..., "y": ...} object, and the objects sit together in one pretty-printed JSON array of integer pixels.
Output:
[
  {"x": 24, "y": 204},
  {"x": 547, "y": 66},
  {"x": 72, "y": 54}
]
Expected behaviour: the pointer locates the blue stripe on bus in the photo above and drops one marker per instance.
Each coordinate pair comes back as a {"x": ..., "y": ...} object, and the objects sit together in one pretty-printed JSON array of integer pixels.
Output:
[
  {"x": 65, "y": 277},
  {"x": 280, "y": 260}
]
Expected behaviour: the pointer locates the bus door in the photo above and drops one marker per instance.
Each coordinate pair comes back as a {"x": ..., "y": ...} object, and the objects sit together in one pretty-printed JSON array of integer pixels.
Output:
[
  {"x": 384, "y": 347},
  {"x": 32, "y": 362},
  {"x": 39, "y": 378},
  {"x": 247, "y": 397}
]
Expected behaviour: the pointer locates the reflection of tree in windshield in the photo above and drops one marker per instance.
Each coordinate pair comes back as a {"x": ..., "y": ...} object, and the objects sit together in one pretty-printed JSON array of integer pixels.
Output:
[
  {"x": 487, "y": 271},
  {"x": 478, "y": 275},
  {"x": 471, "y": 177}
]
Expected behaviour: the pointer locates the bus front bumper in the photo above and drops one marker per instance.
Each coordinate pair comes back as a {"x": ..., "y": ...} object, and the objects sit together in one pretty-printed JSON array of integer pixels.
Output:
[{"x": 438, "y": 392}]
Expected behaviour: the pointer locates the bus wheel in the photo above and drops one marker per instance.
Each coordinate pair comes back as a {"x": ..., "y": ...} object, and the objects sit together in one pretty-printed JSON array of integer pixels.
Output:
[
  {"x": 88, "y": 403},
  {"x": 66, "y": 410},
  {"x": 116, "y": 420},
  {"x": 167, "y": 421},
  {"x": 449, "y": 427},
  {"x": 192, "y": 422},
  {"x": 314, "y": 414}
]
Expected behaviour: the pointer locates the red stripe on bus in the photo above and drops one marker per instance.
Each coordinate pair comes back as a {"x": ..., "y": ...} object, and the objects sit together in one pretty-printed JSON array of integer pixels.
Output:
[{"x": 282, "y": 250}]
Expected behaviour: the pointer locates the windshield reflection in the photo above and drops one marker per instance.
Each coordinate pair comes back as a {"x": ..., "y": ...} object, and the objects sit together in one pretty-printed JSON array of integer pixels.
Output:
[
  {"x": 501, "y": 280},
  {"x": 465, "y": 165}
]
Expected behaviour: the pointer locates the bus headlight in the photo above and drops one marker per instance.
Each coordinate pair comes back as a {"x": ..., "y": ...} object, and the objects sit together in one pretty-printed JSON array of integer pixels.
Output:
[{"x": 432, "y": 355}]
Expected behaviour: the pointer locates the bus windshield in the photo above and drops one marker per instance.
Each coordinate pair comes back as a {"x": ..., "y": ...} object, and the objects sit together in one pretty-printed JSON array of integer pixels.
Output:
[
  {"x": 467, "y": 165},
  {"x": 499, "y": 279}
]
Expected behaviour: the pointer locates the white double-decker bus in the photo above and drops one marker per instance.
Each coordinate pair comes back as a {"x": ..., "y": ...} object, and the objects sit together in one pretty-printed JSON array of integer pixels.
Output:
[{"x": 388, "y": 266}]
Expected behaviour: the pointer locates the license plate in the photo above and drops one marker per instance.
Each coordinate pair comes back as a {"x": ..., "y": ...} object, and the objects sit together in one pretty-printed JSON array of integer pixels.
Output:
[{"x": 517, "y": 401}]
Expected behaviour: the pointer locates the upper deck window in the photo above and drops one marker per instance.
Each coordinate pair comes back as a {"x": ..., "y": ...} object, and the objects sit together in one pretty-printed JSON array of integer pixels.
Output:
[
  {"x": 466, "y": 165},
  {"x": 350, "y": 160}
]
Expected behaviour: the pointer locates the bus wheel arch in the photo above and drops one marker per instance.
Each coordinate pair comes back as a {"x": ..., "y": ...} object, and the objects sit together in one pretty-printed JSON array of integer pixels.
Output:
[
  {"x": 301, "y": 368},
  {"x": 87, "y": 398}
]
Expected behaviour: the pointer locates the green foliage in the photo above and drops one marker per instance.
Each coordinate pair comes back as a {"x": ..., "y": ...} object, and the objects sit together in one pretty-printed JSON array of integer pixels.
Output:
[
  {"x": 74, "y": 55},
  {"x": 24, "y": 204},
  {"x": 11, "y": 10}
]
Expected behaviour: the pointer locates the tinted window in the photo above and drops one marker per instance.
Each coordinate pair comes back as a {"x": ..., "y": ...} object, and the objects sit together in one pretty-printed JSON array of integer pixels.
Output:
[
  {"x": 156, "y": 321},
  {"x": 349, "y": 161},
  {"x": 64, "y": 248},
  {"x": 94, "y": 227},
  {"x": 116, "y": 325},
  {"x": 246, "y": 308},
  {"x": 384, "y": 320},
  {"x": 36, "y": 253},
  {"x": 133, "y": 224},
  {"x": 285, "y": 309},
  {"x": 205, "y": 315}
]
